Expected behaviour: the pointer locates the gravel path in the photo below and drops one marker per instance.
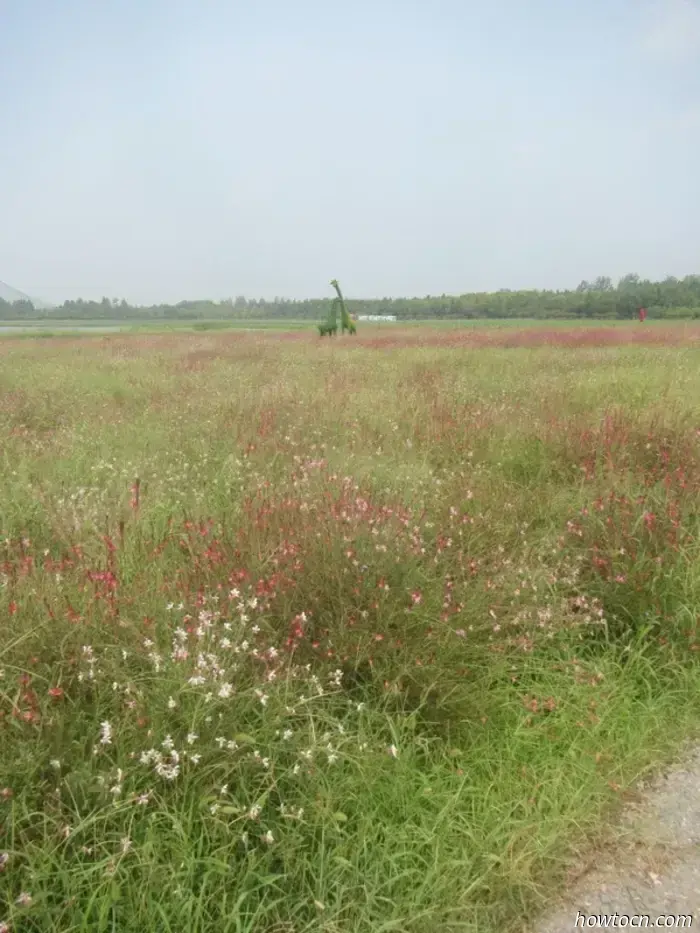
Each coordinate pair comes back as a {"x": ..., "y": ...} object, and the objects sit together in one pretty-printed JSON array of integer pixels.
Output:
[{"x": 655, "y": 868}]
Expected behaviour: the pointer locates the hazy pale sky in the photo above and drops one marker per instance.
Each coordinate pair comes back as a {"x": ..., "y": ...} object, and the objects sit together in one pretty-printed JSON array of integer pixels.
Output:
[{"x": 167, "y": 149}]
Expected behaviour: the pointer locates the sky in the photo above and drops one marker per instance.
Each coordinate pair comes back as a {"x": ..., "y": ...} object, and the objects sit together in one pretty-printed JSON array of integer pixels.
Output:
[{"x": 160, "y": 150}]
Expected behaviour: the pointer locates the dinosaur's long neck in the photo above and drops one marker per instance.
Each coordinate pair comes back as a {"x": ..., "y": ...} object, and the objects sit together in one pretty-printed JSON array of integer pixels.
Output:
[{"x": 344, "y": 316}]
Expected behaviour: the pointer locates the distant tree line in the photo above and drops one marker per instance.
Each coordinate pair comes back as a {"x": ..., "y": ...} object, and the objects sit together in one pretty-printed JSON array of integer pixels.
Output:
[{"x": 600, "y": 299}]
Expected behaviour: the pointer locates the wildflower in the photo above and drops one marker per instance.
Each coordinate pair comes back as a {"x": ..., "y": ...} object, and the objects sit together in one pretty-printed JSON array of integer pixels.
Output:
[
  {"x": 262, "y": 697},
  {"x": 4, "y": 859},
  {"x": 125, "y": 845},
  {"x": 268, "y": 837},
  {"x": 143, "y": 799},
  {"x": 287, "y": 734},
  {"x": 192, "y": 738},
  {"x": 169, "y": 772},
  {"x": 24, "y": 900},
  {"x": 168, "y": 743},
  {"x": 171, "y": 703},
  {"x": 393, "y": 751},
  {"x": 195, "y": 759},
  {"x": 254, "y": 812},
  {"x": 225, "y": 691},
  {"x": 55, "y": 764},
  {"x": 106, "y": 733}
]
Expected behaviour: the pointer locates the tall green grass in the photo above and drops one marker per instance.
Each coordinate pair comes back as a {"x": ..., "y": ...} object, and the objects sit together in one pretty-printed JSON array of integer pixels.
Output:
[{"x": 300, "y": 637}]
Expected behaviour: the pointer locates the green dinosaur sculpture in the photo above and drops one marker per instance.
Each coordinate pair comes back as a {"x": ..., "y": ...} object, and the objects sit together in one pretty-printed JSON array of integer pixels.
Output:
[{"x": 330, "y": 326}]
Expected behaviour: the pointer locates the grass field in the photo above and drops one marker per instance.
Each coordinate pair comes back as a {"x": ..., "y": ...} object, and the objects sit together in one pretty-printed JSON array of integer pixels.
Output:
[
  {"x": 367, "y": 634},
  {"x": 50, "y": 328}
]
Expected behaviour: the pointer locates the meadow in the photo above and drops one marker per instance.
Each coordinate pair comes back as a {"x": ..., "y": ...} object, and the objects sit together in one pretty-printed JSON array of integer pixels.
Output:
[
  {"x": 77, "y": 327},
  {"x": 365, "y": 634}
]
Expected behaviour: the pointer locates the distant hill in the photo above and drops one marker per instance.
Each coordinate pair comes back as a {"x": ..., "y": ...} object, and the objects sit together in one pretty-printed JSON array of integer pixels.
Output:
[{"x": 8, "y": 293}]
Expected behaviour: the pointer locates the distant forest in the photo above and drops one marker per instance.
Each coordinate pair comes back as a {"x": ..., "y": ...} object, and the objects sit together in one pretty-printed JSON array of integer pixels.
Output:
[{"x": 600, "y": 299}]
